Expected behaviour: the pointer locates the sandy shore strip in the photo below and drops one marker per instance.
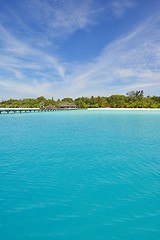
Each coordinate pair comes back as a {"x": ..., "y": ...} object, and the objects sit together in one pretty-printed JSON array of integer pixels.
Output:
[{"x": 133, "y": 109}]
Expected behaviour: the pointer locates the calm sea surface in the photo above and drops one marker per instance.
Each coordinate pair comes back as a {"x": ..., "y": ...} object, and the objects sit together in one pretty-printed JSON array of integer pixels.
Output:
[{"x": 80, "y": 175}]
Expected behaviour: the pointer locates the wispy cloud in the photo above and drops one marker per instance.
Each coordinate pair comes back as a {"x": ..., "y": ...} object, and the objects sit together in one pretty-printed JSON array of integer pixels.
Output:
[
  {"x": 118, "y": 8},
  {"x": 46, "y": 21},
  {"x": 18, "y": 55},
  {"x": 26, "y": 48},
  {"x": 130, "y": 62},
  {"x": 17, "y": 89},
  {"x": 59, "y": 18},
  {"x": 31, "y": 67}
]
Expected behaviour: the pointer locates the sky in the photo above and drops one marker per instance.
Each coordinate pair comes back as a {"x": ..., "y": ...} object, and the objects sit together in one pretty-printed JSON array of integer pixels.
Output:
[{"x": 72, "y": 48}]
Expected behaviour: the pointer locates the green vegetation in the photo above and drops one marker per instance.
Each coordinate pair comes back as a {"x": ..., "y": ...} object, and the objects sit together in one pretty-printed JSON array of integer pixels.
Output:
[{"x": 133, "y": 99}]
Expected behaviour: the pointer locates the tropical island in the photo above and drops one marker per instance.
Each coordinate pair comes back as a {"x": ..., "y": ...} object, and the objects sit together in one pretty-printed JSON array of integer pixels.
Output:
[{"x": 133, "y": 99}]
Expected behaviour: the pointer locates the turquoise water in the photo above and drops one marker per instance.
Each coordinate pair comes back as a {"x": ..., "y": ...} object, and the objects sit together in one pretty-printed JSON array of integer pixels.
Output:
[{"x": 84, "y": 175}]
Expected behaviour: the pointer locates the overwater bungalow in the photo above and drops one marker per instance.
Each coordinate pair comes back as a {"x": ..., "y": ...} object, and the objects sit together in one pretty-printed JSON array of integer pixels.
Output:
[
  {"x": 49, "y": 107},
  {"x": 66, "y": 105}
]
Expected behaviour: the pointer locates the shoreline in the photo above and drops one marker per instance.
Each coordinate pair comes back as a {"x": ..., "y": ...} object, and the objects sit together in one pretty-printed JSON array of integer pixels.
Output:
[{"x": 133, "y": 109}]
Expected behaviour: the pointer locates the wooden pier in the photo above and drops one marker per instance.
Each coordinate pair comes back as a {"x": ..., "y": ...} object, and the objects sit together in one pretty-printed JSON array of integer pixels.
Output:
[
  {"x": 29, "y": 110},
  {"x": 18, "y": 110}
]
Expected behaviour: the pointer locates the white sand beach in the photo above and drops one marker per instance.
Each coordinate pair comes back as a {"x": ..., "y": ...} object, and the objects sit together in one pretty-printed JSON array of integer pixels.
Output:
[{"x": 133, "y": 109}]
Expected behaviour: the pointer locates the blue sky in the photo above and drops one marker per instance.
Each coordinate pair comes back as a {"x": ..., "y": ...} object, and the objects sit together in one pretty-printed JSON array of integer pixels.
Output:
[{"x": 61, "y": 48}]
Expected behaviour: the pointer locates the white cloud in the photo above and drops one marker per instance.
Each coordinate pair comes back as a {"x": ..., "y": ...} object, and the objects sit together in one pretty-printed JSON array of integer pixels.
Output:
[
  {"x": 118, "y": 8},
  {"x": 13, "y": 89},
  {"x": 129, "y": 63},
  {"x": 16, "y": 55},
  {"x": 59, "y": 18}
]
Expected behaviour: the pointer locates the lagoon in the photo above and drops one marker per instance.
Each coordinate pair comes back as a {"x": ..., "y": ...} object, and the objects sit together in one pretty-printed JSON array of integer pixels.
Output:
[{"x": 92, "y": 175}]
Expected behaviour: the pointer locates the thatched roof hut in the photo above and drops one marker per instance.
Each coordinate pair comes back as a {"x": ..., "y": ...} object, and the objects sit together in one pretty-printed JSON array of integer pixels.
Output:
[{"x": 66, "y": 105}]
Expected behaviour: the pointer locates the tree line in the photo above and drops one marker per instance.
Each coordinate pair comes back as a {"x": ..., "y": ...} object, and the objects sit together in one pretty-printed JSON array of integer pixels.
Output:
[{"x": 133, "y": 99}]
